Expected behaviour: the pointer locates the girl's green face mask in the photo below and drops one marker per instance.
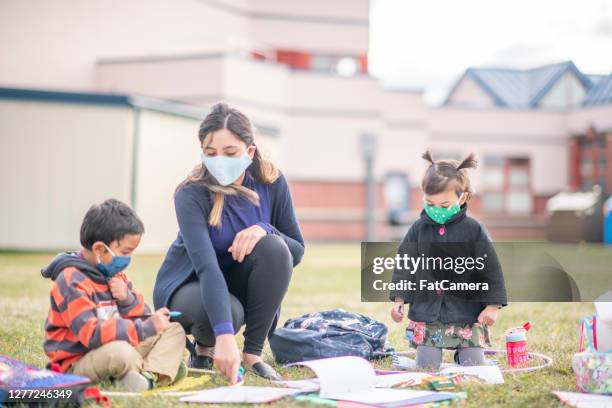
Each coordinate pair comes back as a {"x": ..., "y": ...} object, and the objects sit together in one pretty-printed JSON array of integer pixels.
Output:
[{"x": 442, "y": 214}]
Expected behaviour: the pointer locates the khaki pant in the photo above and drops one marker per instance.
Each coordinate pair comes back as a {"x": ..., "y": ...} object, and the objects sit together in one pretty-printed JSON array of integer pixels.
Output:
[{"x": 160, "y": 354}]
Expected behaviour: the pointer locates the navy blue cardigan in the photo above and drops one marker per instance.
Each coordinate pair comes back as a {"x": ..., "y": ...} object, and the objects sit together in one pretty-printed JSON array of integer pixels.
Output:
[{"x": 193, "y": 253}]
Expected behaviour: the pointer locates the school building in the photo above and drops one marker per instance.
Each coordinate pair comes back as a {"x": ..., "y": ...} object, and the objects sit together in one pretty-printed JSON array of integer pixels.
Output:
[{"x": 109, "y": 106}]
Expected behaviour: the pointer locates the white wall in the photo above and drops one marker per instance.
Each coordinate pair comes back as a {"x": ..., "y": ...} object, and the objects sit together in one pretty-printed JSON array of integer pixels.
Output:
[
  {"x": 318, "y": 26},
  {"x": 541, "y": 136},
  {"x": 568, "y": 92},
  {"x": 469, "y": 93},
  {"x": 600, "y": 117},
  {"x": 168, "y": 148},
  {"x": 56, "y": 160},
  {"x": 174, "y": 79},
  {"x": 57, "y": 43}
]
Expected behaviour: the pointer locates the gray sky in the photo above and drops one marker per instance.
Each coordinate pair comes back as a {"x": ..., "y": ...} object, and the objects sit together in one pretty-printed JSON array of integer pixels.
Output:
[{"x": 429, "y": 43}]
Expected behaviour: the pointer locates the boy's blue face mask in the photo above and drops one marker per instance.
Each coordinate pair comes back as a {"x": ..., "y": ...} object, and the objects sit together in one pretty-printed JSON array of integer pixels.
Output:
[
  {"x": 118, "y": 264},
  {"x": 226, "y": 169}
]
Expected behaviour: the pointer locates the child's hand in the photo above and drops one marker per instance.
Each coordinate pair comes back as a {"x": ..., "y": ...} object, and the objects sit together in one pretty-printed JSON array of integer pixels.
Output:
[
  {"x": 397, "y": 312},
  {"x": 161, "y": 319},
  {"x": 118, "y": 288},
  {"x": 488, "y": 315}
]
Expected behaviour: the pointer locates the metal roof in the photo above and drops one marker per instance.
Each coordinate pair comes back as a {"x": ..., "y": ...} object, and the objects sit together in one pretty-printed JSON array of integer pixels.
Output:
[
  {"x": 601, "y": 93},
  {"x": 515, "y": 88},
  {"x": 114, "y": 99},
  {"x": 99, "y": 98}
]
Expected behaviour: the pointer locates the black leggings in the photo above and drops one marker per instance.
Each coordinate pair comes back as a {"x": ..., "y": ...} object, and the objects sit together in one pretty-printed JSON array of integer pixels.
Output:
[{"x": 257, "y": 287}]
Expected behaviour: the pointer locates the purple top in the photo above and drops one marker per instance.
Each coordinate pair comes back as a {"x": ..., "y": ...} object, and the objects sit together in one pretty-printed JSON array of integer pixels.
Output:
[
  {"x": 239, "y": 213},
  {"x": 201, "y": 250}
]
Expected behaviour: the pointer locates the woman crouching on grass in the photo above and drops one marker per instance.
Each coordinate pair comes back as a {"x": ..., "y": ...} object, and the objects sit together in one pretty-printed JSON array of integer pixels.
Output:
[{"x": 237, "y": 246}]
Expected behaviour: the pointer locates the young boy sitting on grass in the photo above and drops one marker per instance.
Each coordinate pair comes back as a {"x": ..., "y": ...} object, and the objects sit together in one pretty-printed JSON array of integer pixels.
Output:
[{"x": 98, "y": 326}]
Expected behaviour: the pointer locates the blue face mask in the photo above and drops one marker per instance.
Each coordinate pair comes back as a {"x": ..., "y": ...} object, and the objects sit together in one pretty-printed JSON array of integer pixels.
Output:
[
  {"x": 225, "y": 169},
  {"x": 115, "y": 266}
]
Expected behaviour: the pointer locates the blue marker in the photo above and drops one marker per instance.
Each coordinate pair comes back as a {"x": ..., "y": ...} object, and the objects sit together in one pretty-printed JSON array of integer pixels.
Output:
[
  {"x": 240, "y": 374},
  {"x": 174, "y": 314}
]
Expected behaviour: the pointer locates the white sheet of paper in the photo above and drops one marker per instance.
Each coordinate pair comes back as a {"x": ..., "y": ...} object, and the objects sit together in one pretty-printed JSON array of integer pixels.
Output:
[
  {"x": 389, "y": 380},
  {"x": 490, "y": 374},
  {"x": 407, "y": 363},
  {"x": 379, "y": 395},
  {"x": 311, "y": 384},
  {"x": 240, "y": 394},
  {"x": 581, "y": 400},
  {"x": 342, "y": 374}
]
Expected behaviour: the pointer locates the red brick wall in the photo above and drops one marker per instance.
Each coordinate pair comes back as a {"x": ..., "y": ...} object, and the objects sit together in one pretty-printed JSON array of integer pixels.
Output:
[
  {"x": 329, "y": 210},
  {"x": 332, "y": 194}
]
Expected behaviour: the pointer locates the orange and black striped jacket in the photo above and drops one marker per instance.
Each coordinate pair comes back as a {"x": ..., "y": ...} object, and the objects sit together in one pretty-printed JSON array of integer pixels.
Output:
[{"x": 83, "y": 314}]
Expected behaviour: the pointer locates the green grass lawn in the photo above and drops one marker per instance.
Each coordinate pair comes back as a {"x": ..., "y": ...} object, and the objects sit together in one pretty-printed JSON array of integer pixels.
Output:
[{"x": 328, "y": 277}]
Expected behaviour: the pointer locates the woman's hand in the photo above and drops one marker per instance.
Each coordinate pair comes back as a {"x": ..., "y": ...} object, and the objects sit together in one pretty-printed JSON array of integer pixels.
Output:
[
  {"x": 488, "y": 315},
  {"x": 397, "y": 312},
  {"x": 245, "y": 241},
  {"x": 227, "y": 357}
]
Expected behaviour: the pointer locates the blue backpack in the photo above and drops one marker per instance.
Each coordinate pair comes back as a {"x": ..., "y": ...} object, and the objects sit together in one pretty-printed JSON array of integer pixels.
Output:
[{"x": 331, "y": 333}]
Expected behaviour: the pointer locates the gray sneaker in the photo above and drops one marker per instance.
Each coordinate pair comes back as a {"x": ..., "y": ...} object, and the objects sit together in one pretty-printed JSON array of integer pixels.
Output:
[{"x": 133, "y": 381}]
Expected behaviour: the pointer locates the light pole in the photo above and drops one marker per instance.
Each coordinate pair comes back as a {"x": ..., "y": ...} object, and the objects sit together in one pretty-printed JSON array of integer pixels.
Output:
[{"x": 368, "y": 150}]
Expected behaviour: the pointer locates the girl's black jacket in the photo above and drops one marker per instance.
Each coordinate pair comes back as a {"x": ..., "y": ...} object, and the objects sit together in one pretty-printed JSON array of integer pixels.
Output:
[{"x": 445, "y": 251}]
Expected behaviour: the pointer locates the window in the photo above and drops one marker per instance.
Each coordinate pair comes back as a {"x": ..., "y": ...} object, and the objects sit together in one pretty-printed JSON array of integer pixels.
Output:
[
  {"x": 603, "y": 183},
  {"x": 506, "y": 185},
  {"x": 603, "y": 163},
  {"x": 493, "y": 201},
  {"x": 601, "y": 142},
  {"x": 322, "y": 63},
  {"x": 586, "y": 167},
  {"x": 493, "y": 178},
  {"x": 341, "y": 65},
  {"x": 518, "y": 202},
  {"x": 494, "y": 160},
  {"x": 519, "y": 177}
]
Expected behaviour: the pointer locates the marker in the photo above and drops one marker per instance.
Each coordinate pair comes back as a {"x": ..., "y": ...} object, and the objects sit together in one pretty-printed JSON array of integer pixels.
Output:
[
  {"x": 170, "y": 314},
  {"x": 240, "y": 374}
]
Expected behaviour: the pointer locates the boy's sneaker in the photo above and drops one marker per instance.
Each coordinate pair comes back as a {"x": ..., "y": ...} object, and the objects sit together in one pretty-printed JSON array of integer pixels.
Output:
[
  {"x": 181, "y": 373},
  {"x": 133, "y": 381}
]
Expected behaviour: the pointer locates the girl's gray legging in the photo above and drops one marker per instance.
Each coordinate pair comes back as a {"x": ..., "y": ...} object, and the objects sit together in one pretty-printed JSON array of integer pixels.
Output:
[
  {"x": 431, "y": 357},
  {"x": 257, "y": 287}
]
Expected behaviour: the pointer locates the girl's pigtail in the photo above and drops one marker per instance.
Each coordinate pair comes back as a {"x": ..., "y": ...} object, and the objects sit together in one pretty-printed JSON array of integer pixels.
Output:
[
  {"x": 427, "y": 156},
  {"x": 468, "y": 163}
]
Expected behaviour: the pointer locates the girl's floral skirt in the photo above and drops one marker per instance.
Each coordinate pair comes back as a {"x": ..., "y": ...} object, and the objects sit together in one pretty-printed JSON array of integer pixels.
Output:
[{"x": 447, "y": 335}]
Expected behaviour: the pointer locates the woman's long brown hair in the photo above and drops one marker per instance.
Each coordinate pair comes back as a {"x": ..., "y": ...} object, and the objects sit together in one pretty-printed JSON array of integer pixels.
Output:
[{"x": 222, "y": 116}]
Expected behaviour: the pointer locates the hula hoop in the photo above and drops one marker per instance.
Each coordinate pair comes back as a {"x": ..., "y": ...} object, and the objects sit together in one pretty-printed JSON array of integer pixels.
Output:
[{"x": 547, "y": 361}]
